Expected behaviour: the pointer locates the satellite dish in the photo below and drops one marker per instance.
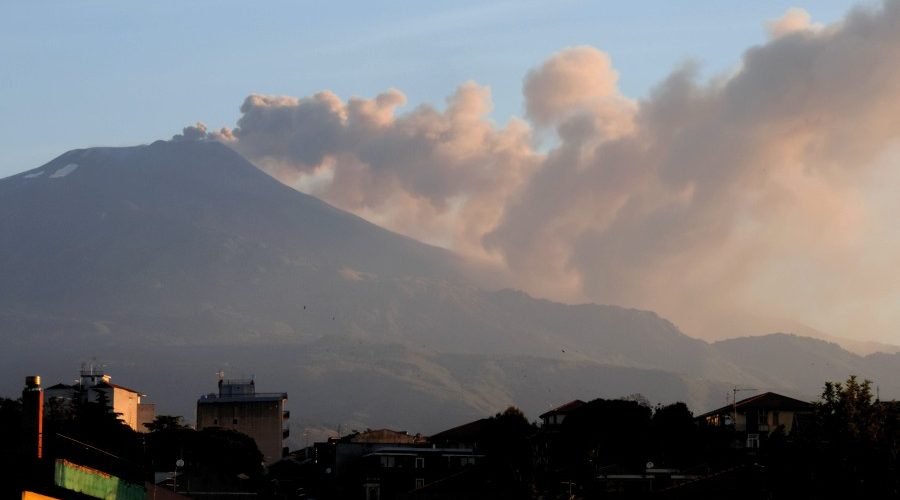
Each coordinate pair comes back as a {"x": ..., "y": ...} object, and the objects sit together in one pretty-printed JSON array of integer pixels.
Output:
[
  {"x": 650, "y": 465},
  {"x": 179, "y": 463}
]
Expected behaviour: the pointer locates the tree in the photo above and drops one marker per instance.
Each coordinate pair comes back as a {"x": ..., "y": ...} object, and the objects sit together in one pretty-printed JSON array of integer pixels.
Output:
[
  {"x": 505, "y": 442},
  {"x": 166, "y": 422},
  {"x": 849, "y": 414},
  {"x": 215, "y": 459},
  {"x": 90, "y": 433},
  {"x": 675, "y": 439},
  {"x": 853, "y": 445}
]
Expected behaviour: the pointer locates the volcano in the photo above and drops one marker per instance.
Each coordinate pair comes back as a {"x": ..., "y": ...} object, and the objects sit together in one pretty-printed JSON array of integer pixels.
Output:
[{"x": 172, "y": 261}]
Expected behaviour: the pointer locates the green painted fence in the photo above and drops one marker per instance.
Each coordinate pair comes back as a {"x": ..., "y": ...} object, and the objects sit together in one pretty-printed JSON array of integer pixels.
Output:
[{"x": 95, "y": 483}]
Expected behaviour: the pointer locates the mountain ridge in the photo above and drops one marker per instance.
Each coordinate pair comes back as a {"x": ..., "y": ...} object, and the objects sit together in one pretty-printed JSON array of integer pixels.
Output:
[{"x": 179, "y": 259}]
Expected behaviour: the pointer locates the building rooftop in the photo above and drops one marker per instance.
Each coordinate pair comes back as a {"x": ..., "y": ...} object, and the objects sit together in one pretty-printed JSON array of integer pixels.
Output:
[
  {"x": 767, "y": 400},
  {"x": 465, "y": 432},
  {"x": 241, "y": 398},
  {"x": 565, "y": 408},
  {"x": 418, "y": 450},
  {"x": 383, "y": 436},
  {"x": 116, "y": 386}
]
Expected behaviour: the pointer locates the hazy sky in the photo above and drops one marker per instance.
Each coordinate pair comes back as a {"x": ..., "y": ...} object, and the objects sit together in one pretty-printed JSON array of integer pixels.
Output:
[
  {"x": 731, "y": 165},
  {"x": 77, "y": 74}
]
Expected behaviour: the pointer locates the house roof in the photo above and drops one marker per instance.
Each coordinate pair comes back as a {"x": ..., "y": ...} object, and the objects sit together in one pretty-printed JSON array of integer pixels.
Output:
[
  {"x": 383, "y": 436},
  {"x": 464, "y": 432},
  {"x": 419, "y": 450},
  {"x": 766, "y": 400},
  {"x": 115, "y": 386},
  {"x": 259, "y": 397},
  {"x": 60, "y": 386},
  {"x": 564, "y": 409}
]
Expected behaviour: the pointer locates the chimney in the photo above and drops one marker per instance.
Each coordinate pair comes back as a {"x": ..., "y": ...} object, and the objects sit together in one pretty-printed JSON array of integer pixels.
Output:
[{"x": 33, "y": 413}]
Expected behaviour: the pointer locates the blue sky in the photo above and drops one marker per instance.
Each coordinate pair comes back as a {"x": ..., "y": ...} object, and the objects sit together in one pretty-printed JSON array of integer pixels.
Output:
[{"x": 78, "y": 74}]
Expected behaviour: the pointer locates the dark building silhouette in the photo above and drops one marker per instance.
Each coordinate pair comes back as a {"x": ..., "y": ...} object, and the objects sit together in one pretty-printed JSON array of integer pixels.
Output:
[{"x": 759, "y": 416}]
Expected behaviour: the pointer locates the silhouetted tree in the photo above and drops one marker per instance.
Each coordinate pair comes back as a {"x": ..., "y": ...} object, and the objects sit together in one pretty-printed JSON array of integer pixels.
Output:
[
  {"x": 166, "y": 422},
  {"x": 856, "y": 448},
  {"x": 506, "y": 444},
  {"x": 91, "y": 434},
  {"x": 848, "y": 413},
  {"x": 214, "y": 458},
  {"x": 674, "y": 438}
]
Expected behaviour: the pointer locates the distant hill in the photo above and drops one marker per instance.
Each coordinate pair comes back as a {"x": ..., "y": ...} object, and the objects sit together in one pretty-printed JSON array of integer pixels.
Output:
[
  {"x": 801, "y": 364},
  {"x": 175, "y": 260}
]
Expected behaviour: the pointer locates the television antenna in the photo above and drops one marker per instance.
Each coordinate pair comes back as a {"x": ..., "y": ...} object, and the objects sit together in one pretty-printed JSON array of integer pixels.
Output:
[{"x": 734, "y": 391}]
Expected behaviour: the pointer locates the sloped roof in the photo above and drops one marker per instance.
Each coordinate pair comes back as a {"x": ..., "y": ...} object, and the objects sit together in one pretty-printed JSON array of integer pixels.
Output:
[
  {"x": 564, "y": 409},
  {"x": 469, "y": 431},
  {"x": 60, "y": 386},
  {"x": 383, "y": 436},
  {"x": 766, "y": 400},
  {"x": 115, "y": 386}
]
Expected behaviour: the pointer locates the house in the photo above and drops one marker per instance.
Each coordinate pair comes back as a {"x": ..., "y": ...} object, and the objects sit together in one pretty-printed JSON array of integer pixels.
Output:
[
  {"x": 354, "y": 472},
  {"x": 377, "y": 464},
  {"x": 557, "y": 415},
  {"x": 758, "y": 416},
  {"x": 95, "y": 385},
  {"x": 462, "y": 436},
  {"x": 396, "y": 471},
  {"x": 260, "y": 415},
  {"x": 546, "y": 448}
]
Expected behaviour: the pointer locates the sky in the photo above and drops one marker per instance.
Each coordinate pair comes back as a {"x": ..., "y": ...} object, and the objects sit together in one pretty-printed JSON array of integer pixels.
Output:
[
  {"x": 107, "y": 73},
  {"x": 730, "y": 165}
]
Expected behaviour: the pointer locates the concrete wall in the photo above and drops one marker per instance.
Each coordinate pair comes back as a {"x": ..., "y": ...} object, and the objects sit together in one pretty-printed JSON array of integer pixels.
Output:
[
  {"x": 122, "y": 400},
  {"x": 261, "y": 420}
]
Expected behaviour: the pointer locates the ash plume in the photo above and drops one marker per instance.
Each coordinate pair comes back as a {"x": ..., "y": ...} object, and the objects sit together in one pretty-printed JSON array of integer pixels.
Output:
[{"x": 728, "y": 205}]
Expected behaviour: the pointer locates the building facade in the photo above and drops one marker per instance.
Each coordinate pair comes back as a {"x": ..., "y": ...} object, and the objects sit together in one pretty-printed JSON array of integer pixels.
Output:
[
  {"x": 95, "y": 385},
  {"x": 238, "y": 406}
]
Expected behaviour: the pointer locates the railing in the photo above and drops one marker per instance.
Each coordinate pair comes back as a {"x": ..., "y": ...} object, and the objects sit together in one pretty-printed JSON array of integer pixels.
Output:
[{"x": 282, "y": 395}]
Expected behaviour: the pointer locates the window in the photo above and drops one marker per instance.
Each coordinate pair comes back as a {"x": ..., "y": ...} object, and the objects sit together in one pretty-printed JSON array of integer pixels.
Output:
[
  {"x": 420, "y": 482},
  {"x": 387, "y": 461},
  {"x": 752, "y": 440},
  {"x": 775, "y": 416},
  {"x": 420, "y": 462},
  {"x": 215, "y": 421}
]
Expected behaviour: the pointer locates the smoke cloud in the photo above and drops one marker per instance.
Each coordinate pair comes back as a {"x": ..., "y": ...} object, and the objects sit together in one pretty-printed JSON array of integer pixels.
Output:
[
  {"x": 757, "y": 200},
  {"x": 792, "y": 21}
]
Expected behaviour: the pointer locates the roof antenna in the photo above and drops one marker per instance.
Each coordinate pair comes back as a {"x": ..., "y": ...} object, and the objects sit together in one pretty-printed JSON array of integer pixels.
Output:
[{"x": 734, "y": 391}]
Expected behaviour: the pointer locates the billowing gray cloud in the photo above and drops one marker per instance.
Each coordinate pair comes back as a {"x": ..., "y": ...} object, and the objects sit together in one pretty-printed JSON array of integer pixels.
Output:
[
  {"x": 726, "y": 205},
  {"x": 192, "y": 133}
]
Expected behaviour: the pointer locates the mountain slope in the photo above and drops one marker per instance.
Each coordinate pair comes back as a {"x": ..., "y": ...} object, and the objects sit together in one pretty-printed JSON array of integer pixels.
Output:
[
  {"x": 175, "y": 260},
  {"x": 802, "y": 364},
  {"x": 176, "y": 230}
]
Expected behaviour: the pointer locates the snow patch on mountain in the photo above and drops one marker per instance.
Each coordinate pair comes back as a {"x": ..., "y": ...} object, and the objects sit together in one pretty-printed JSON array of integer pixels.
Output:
[{"x": 68, "y": 169}]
